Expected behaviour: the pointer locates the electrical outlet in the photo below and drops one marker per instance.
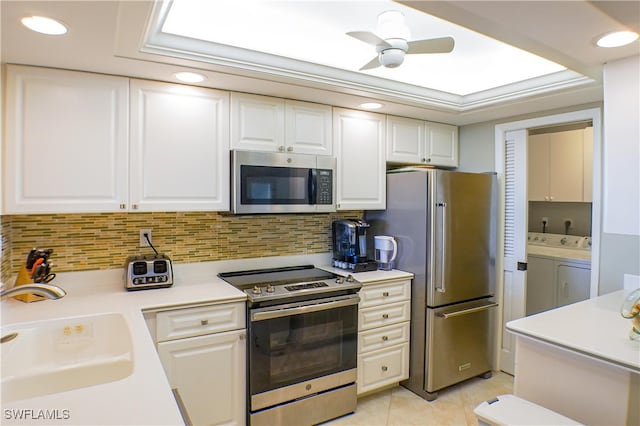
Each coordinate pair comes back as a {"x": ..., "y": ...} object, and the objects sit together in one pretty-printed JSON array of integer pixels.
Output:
[{"x": 143, "y": 240}]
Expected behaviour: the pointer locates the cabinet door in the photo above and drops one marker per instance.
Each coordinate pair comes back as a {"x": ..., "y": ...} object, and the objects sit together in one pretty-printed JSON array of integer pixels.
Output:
[
  {"x": 66, "y": 141},
  {"x": 381, "y": 368},
  {"x": 209, "y": 375},
  {"x": 405, "y": 140},
  {"x": 538, "y": 167},
  {"x": 308, "y": 128},
  {"x": 541, "y": 287},
  {"x": 565, "y": 163},
  {"x": 179, "y": 155},
  {"x": 573, "y": 284},
  {"x": 441, "y": 145},
  {"x": 257, "y": 123},
  {"x": 359, "y": 139}
]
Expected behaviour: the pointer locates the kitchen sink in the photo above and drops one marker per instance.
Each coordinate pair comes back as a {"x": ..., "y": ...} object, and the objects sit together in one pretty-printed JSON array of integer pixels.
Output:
[{"x": 46, "y": 357}]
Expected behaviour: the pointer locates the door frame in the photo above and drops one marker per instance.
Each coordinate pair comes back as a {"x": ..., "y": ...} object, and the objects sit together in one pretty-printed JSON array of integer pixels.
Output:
[{"x": 593, "y": 114}]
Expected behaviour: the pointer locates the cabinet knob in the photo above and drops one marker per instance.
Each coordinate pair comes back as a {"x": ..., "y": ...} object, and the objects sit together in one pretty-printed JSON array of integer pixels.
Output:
[
  {"x": 242, "y": 337},
  {"x": 204, "y": 322},
  {"x": 385, "y": 316},
  {"x": 281, "y": 148},
  {"x": 428, "y": 160},
  {"x": 385, "y": 294},
  {"x": 385, "y": 338},
  {"x": 384, "y": 368},
  {"x": 290, "y": 148},
  {"x": 134, "y": 206},
  {"x": 424, "y": 160},
  {"x": 551, "y": 198},
  {"x": 123, "y": 206}
]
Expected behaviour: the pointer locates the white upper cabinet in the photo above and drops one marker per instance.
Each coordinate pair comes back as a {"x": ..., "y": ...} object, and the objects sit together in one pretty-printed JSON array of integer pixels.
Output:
[
  {"x": 262, "y": 123},
  {"x": 559, "y": 167},
  {"x": 308, "y": 128},
  {"x": 359, "y": 139},
  {"x": 66, "y": 141},
  {"x": 179, "y": 149},
  {"x": 412, "y": 141},
  {"x": 442, "y": 145}
]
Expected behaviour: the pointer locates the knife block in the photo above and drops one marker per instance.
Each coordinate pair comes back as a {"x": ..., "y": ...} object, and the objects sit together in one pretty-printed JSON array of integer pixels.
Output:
[{"x": 22, "y": 279}]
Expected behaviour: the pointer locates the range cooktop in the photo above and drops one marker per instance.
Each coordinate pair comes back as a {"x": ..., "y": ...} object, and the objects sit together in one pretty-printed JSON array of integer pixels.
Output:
[{"x": 290, "y": 282}]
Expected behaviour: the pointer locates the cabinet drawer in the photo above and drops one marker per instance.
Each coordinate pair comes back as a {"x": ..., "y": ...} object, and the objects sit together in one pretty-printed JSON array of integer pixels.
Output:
[
  {"x": 395, "y": 291},
  {"x": 381, "y": 368},
  {"x": 383, "y": 337},
  {"x": 180, "y": 323},
  {"x": 383, "y": 315}
]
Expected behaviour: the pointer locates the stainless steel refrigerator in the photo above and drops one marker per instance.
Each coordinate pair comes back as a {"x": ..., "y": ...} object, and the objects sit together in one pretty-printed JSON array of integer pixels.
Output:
[{"x": 445, "y": 226}]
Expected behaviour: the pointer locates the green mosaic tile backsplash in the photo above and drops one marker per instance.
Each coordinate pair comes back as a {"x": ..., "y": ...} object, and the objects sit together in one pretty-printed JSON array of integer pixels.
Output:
[{"x": 104, "y": 240}]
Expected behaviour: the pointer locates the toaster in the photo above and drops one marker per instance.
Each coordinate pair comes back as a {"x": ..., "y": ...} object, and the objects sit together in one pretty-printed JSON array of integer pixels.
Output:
[{"x": 151, "y": 271}]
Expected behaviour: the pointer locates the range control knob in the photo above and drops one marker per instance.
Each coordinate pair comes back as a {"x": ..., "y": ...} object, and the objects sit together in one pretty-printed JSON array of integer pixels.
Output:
[
  {"x": 350, "y": 278},
  {"x": 256, "y": 290},
  {"x": 270, "y": 288},
  {"x": 340, "y": 280}
]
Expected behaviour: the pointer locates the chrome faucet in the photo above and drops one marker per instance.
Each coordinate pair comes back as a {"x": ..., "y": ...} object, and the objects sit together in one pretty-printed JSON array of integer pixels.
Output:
[{"x": 45, "y": 290}]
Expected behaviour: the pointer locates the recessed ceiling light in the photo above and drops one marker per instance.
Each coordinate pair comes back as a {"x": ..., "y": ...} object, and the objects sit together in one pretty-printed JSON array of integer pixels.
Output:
[
  {"x": 617, "y": 39},
  {"x": 189, "y": 77},
  {"x": 44, "y": 25},
  {"x": 371, "y": 105}
]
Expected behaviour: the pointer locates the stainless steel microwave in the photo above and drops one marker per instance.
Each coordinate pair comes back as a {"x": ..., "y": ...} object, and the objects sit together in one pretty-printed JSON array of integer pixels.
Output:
[{"x": 264, "y": 182}]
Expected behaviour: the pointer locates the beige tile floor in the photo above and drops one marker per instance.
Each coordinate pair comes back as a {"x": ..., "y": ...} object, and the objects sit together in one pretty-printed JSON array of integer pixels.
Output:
[{"x": 454, "y": 405}]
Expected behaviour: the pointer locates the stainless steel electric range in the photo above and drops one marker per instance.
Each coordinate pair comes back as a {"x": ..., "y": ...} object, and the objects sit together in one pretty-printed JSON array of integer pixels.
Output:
[{"x": 302, "y": 344}]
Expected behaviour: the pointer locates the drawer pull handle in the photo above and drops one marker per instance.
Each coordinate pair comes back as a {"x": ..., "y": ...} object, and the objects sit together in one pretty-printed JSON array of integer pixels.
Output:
[
  {"x": 204, "y": 322},
  {"x": 385, "y": 294},
  {"x": 385, "y": 338},
  {"x": 384, "y": 368},
  {"x": 385, "y": 316}
]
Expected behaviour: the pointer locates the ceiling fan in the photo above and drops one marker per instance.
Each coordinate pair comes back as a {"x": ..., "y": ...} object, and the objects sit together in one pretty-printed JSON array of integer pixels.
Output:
[{"x": 393, "y": 42}]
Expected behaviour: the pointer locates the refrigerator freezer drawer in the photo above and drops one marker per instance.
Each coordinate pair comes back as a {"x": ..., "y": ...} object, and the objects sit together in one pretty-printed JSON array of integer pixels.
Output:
[{"x": 458, "y": 343}]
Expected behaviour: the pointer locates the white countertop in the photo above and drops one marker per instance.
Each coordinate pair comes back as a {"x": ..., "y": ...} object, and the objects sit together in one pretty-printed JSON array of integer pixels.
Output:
[
  {"x": 593, "y": 327},
  {"x": 369, "y": 276},
  {"x": 144, "y": 397}
]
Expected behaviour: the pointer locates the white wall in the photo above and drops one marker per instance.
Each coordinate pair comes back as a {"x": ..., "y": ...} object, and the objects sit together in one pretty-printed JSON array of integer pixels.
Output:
[
  {"x": 621, "y": 147},
  {"x": 620, "y": 242}
]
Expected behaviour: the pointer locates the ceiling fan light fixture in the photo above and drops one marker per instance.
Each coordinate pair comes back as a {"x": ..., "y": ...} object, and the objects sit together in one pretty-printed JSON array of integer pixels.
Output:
[
  {"x": 391, "y": 58},
  {"x": 44, "y": 25},
  {"x": 616, "y": 39}
]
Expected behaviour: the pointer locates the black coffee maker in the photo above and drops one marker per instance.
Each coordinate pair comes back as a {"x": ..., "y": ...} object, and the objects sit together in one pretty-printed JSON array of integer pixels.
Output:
[{"x": 350, "y": 245}]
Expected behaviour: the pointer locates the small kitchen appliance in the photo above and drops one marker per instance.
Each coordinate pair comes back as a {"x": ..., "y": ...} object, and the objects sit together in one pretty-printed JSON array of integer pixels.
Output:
[
  {"x": 148, "y": 271},
  {"x": 386, "y": 250},
  {"x": 350, "y": 245}
]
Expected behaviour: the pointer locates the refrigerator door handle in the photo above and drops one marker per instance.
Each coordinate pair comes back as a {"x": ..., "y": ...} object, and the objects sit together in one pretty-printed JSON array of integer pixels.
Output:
[
  {"x": 443, "y": 251},
  {"x": 467, "y": 311}
]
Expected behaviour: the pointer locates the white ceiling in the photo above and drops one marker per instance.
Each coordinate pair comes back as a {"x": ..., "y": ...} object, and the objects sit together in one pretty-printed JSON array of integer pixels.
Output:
[{"x": 107, "y": 37}]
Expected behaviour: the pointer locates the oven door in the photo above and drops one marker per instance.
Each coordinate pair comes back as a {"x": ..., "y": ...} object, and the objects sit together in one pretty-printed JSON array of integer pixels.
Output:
[{"x": 297, "y": 342}]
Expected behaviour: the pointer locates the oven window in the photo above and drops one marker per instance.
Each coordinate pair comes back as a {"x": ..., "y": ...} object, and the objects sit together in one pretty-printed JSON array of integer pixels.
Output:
[
  {"x": 274, "y": 185},
  {"x": 295, "y": 348}
]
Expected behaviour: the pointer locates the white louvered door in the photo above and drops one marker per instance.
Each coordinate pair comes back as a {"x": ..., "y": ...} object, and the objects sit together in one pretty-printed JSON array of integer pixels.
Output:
[{"x": 515, "y": 239}]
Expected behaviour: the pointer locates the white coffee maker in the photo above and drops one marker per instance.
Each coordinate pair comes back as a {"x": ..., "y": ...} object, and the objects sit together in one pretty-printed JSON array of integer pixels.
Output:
[{"x": 386, "y": 250}]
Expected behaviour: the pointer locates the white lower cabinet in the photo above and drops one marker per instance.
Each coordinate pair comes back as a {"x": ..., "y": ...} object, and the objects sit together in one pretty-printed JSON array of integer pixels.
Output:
[
  {"x": 383, "y": 334},
  {"x": 206, "y": 370}
]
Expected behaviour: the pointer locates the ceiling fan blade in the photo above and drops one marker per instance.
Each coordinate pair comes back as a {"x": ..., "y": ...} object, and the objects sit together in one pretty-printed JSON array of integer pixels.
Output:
[
  {"x": 374, "y": 63},
  {"x": 369, "y": 38},
  {"x": 432, "y": 45}
]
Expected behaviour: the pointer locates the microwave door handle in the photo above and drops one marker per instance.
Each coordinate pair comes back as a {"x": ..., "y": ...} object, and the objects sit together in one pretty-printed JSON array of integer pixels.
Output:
[{"x": 313, "y": 187}]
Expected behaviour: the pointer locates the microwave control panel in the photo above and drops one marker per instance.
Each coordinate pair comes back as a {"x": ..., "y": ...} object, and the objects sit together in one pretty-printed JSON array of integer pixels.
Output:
[{"x": 325, "y": 187}]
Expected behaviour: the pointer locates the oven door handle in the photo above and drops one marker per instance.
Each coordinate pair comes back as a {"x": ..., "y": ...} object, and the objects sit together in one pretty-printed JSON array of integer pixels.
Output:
[{"x": 286, "y": 312}]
